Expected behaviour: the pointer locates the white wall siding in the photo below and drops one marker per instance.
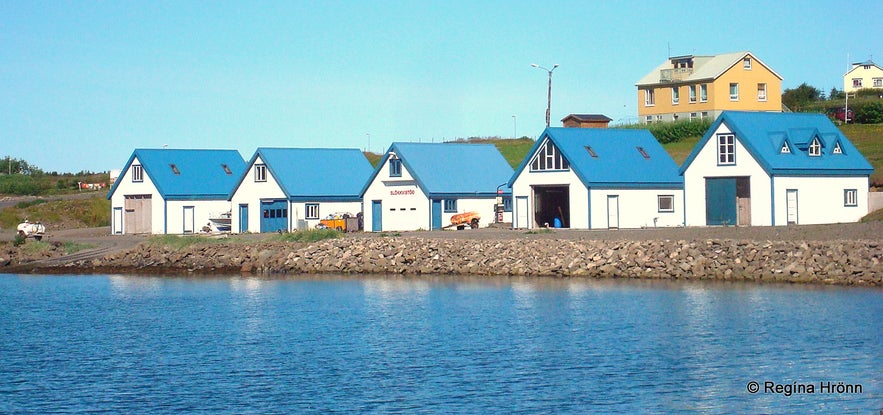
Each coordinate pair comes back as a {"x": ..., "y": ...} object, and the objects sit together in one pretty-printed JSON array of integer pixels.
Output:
[
  {"x": 637, "y": 208},
  {"x": 251, "y": 193},
  {"x": 705, "y": 165},
  {"x": 297, "y": 211},
  {"x": 202, "y": 211},
  {"x": 484, "y": 207},
  {"x": 578, "y": 195},
  {"x": 820, "y": 199},
  {"x": 404, "y": 206}
]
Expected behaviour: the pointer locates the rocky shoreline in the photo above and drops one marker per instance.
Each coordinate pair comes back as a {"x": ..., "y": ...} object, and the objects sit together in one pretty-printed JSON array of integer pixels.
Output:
[{"x": 841, "y": 262}]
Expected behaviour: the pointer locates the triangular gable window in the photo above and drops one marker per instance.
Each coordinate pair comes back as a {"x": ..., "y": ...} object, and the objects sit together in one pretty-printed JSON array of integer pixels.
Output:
[
  {"x": 815, "y": 148},
  {"x": 786, "y": 149},
  {"x": 837, "y": 149},
  {"x": 548, "y": 157}
]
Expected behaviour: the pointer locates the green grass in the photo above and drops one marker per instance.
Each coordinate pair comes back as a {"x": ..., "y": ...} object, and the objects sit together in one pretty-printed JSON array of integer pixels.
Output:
[
  {"x": 310, "y": 235},
  {"x": 74, "y": 247},
  {"x": 78, "y": 213},
  {"x": 177, "y": 242},
  {"x": 868, "y": 138},
  {"x": 875, "y": 216}
]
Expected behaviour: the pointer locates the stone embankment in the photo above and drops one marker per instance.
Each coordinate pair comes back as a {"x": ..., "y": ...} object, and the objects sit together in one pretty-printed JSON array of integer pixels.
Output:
[{"x": 851, "y": 262}]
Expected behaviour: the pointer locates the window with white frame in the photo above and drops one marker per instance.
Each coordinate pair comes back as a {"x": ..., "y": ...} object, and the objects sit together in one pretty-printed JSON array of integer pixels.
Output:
[
  {"x": 856, "y": 82},
  {"x": 693, "y": 115},
  {"x": 850, "y": 197},
  {"x": 734, "y": 91},
  {"x": 395, "y": 168},
  {"x": 878, "y": 82},
  {"x": 666, "y": 203},
  {"x": 746, "y": 63},
  {"x": 649, "y": 97},
  {"x": 260, "y": 172},
  {"x": 815, "y": 148},
  {"x": 785, "y": 149},
  {"x": 703, "y": 93},
  {"x": 726, "y": 149},
  {"x": 137, "y": 173},
  {"x": 761, "y": 92},
  {"x": 648, "y": 119},
  {"x": 692, "y": 92},
  {"x": 548, "y": 157},
  {"x": 311, "y": 211},
  {"x": 675, "y": 95}
]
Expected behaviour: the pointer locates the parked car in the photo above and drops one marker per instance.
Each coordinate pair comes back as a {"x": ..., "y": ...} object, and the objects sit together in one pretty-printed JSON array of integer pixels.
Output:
[{"x": 842, "y": 115}]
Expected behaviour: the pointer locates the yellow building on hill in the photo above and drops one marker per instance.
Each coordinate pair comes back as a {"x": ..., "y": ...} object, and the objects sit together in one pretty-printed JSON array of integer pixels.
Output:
[{"x": 691, "y": 87}]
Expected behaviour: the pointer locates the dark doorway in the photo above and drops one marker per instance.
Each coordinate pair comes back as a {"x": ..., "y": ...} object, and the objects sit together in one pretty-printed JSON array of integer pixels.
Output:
[{"x": 551, "y": 206}]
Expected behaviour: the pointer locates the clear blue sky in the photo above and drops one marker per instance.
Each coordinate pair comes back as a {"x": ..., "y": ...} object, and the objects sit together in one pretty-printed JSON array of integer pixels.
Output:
[{"x": 84, "y": 83}]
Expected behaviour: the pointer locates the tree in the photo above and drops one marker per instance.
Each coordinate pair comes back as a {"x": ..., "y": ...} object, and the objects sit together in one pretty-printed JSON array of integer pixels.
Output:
[
  {"x": 799, "y": 97},
  {"x": 836, "y": 94}
]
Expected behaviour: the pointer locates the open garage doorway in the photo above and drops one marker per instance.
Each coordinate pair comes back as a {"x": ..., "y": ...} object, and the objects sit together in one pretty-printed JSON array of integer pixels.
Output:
[{"x": 551, "y": 206}]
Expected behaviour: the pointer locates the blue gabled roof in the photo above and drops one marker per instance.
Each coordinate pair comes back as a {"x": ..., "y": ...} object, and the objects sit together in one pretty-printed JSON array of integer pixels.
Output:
[
  {"x": 763, "y": 133},
  {"x": 452, "y": 169},
  {"x": 619, "y": 162},
  {"x": 317, "y": 173},
  {"x": 197, "y": 174}
]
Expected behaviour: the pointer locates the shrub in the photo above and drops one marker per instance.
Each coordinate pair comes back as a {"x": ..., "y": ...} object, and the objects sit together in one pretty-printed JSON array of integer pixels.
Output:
[
  {"x": 310, "y": 235},
  {"x": 870, "y": 112}
]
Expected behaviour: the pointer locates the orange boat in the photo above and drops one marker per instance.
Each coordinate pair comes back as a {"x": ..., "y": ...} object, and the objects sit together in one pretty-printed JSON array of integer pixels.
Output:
[{"x": 460, "y": 220}]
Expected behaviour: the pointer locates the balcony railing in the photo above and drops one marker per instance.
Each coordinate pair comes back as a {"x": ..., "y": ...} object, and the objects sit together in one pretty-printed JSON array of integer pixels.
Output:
[{"x": 675, "y": 74}]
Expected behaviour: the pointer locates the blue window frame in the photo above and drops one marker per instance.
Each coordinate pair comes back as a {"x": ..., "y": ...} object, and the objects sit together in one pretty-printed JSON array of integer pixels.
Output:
[
  {"x": 507, "y": 204},
  {"x": 395, "y": 168},
  {"x": 450, "y": 205}
]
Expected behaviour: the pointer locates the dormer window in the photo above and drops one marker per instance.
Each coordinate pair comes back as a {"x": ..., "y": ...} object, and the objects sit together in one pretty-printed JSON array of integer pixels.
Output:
[
  {"x": 785, "y": 149},
  {"x": 643, "y": 152},
  {"x": 175, "y": 169},
  {"x": 837, "y": 149},
  {"x": 227, "y": 169},
  {"x": 815, "y": 148}
]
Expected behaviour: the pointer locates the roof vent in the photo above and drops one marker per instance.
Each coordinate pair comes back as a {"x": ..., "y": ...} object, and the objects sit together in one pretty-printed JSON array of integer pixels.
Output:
[
  {"x": 227, "y": 169},
  {"x": 591, "y": 152},
  {"x": 643, "y": 152}
]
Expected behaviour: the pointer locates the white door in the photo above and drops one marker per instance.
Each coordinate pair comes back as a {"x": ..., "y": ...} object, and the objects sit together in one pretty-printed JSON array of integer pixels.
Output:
[
  {"x": 791, "y": 206},
  {"x": 117, "y": 221},
  {"x": 521, "y": 213},
  {"x": 188, "y": 219},
  {"x": 613, "y": 212}
]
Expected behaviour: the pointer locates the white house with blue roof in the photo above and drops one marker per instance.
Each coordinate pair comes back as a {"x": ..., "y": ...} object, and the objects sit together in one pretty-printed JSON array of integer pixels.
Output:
[
  {"x": 285, "y": 189},
  {"x": 169, "y": 191},
  {"x": 772, "y": 169},
  {"x": 588, "y": 178},
  {"x": 422, "y": 185}
]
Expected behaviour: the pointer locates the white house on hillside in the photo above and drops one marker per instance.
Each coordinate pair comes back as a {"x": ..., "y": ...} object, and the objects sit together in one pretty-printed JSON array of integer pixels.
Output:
[
  {"x": 763, "y": 169},
  {"x": 166, "y": 191}
]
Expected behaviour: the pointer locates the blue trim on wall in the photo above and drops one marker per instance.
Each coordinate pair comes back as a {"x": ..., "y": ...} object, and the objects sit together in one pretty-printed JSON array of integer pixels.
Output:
[
  {"x": 773, "y": 201},
  {"x": 165, "y": 217},
  {"x": 590, "y": 206}
]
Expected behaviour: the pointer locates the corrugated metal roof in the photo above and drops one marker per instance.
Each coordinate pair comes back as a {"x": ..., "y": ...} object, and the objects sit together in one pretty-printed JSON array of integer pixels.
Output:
[
  {"x": 189, "y": 173},
  {"x": 317, "y": 173},
  {"x": 619, "y": 160},
  {"x": 704, "y": 68},
  {"x": 763, "y": 133},
  {"x": 453, "y": 169}
]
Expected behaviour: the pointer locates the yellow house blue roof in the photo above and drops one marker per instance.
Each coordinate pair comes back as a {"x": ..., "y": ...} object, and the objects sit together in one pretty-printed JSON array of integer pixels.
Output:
[
  {"x": 317, "y": 174},
  {"x": 188, "y": 174},
  {"x": 611, "y": 158},
  {"x": 764, "y": 134},
  {"x": 452, "y": 169}
]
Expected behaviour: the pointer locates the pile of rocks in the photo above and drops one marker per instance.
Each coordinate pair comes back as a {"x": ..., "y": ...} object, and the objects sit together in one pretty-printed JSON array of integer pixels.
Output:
[{"x": 836, "y": 262}]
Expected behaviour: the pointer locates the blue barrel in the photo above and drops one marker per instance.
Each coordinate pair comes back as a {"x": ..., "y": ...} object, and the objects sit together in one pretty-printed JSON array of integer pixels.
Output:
[{"x": 557, "y": 222}]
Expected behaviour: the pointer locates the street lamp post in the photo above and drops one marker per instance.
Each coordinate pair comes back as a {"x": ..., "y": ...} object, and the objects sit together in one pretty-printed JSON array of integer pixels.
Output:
[
  {"x": 549, "y": 101},
  {"x": 514, "y": 127}
]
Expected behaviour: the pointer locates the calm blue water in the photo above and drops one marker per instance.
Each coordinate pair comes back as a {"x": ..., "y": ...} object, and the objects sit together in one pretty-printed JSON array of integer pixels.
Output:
[{"x": 126, "y": 344}]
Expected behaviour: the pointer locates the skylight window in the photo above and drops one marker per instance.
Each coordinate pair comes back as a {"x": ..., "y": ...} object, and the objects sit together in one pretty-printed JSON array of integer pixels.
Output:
[
  {"x": 643, "y": 152},
  {"x": 227, "y": 169},
  {"x": 175, "y": 169},
  {"x": 591, "y": 152}
]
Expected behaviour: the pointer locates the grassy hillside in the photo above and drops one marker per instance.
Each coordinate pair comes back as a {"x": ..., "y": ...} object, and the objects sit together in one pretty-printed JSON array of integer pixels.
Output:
[
  {"x": 59, "y": 214},
  {"x": 513, "y": 150}
]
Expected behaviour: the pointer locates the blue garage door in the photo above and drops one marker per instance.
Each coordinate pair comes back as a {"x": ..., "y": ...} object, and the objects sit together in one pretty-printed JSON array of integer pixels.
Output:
[
  {"x": 720, "y": 201},
  {"x": 274, "y": 216}
]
